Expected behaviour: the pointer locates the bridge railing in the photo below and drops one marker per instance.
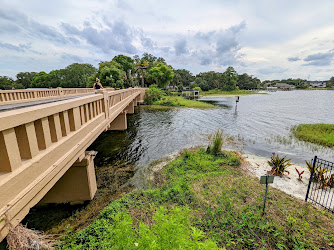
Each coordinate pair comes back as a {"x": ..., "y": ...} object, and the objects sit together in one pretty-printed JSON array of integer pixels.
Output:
[
  {"x": 27, "y": 95},
  {"x": 38, "y": 144}
]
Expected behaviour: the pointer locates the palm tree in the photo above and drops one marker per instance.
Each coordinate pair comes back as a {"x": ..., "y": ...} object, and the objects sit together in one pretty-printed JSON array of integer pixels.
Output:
[{"x": 142, "y": 65}]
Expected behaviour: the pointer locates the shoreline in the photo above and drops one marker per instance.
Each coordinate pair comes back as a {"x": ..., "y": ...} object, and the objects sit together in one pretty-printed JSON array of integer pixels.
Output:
[{"x": 229, "y": 95}]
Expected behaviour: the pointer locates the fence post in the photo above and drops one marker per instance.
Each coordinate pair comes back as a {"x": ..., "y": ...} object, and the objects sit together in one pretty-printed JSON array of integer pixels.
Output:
[{"x": 311, "y": 177}]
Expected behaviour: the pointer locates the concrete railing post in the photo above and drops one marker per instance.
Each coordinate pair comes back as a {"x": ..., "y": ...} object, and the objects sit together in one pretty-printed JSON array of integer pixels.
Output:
[
  {"x": 60, "y": 91},
  {"x": 105, "y": 102}
]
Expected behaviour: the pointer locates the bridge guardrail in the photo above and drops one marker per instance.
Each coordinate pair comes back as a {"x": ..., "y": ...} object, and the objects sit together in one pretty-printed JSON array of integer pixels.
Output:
[
  {"x": 38, "y": 144},
  {"x": 28, "y": 95}
]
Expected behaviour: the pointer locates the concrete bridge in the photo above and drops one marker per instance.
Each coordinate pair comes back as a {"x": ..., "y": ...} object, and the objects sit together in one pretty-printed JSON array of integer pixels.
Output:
[{"x": 43, "y": 157}]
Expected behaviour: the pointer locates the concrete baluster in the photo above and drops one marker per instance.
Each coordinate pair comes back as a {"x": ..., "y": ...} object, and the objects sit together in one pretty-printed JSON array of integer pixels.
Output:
[
  {"x": 64, "y": 123},
  {"x": 82, "y": 115},
  {"x": 94, "y": 109},
  {"x": 9, "y": 151},
  {"x": 87, "y": 113},
  {"x": 27, "y": 140},
  {"x": 43, "y": 133},
  {"x": 55, "y": 127},
  {"x": 74, "y": 118}
]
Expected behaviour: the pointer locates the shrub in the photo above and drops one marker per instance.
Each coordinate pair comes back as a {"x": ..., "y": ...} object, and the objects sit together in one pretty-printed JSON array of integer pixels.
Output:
[
  {"x": 278, "y": 165},
  {"x": 153, "y": 94},
  {"x": 319, "y": 172},
  {"x": 197, "y": 88},
  {"x": 320, "y": 176}
]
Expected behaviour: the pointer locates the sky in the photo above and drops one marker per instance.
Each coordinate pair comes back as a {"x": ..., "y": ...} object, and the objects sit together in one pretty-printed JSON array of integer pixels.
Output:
[{"x": 269, "y": 39}]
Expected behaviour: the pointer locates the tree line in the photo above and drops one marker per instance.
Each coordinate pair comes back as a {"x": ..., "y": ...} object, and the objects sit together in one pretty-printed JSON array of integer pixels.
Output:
[{"x": 123, "y": 72}]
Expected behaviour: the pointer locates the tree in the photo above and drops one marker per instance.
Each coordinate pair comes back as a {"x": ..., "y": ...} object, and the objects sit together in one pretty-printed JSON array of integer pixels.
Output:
[
  {"x": 330, "y": 83},
  {"x": 128, "y": 66},
  {"x": 142, "y": 65},
  {"x": 183, "y": 77},
  {"x": 25, "y": 78},
  {"x": 246, "y": 81},
  {"x": 6, "y": 82},
  {"x": 162, "y": 74},
  {"x": 111, "y": 74},
  {"x": 76, "y": 75},
  {"x": 39, "y": 80},
  {"x": 230, "y": 79}
]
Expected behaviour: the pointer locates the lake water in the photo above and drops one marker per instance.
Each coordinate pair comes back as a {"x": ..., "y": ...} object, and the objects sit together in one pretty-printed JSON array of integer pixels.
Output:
[{"x": 261, "y": 122}]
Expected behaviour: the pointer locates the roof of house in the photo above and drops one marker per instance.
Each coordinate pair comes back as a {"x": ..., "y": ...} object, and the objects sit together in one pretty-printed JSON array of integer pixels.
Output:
[{"x": 283, "y": 85}]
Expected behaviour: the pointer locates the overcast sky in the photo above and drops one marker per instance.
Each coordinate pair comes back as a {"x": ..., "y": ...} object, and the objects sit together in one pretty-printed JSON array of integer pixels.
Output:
[{"x": 270, "y": 39}]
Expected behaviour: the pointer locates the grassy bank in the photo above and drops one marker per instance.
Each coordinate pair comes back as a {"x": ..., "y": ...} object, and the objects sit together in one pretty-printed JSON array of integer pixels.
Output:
[
  {"x": 214, "y": 92},
  {"x": 321, "y": 134},
  {"x": 204, "y": 201},
  {"x": 179, "y": 101}
]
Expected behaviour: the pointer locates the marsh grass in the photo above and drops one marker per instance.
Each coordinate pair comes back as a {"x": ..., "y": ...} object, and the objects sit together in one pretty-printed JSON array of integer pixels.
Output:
[
  {"x": 217, "y": 142},
  {"x": 320, "y": 134},
  {"x": 203, "y": 201},
  {"x": 179, "y": 101}
]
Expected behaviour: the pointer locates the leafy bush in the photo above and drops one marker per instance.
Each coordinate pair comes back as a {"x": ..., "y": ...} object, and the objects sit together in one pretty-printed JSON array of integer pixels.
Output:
[
  {"x": 278, "y": 165},
  {"x": 153, "y": 94},
  {"x": 170, "y": 230},
  {"x": 168, "y": 101},
  {"x": 321, "y": 176},
  {"x": 197, "y": 88},
  {"x": 319, "y": 172}
]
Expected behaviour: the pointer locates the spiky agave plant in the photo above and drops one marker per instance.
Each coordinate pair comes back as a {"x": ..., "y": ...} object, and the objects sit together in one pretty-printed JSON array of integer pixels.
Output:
[{"x": 278, "y": 165}]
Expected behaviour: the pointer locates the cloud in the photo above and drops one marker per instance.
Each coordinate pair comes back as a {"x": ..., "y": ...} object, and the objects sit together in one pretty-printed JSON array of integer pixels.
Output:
[
  {"x": 72, "y": 58},
  {"x": 319, "y": 59},
  {"x": 219, "y": 47},
  {"x": 20, "y": 23},
  {"x": 294, "y": 59},
  {"x": 272, "y": 70},
  {"x": 205, "y": 61},
  {"x": 19, "y": 48},
  {"x": 180, "y": 47},
  {"x": 114, "y": 36}
]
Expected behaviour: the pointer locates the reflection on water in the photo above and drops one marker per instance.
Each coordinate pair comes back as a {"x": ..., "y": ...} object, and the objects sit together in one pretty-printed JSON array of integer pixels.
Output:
[{"x": 264, "y": 121}]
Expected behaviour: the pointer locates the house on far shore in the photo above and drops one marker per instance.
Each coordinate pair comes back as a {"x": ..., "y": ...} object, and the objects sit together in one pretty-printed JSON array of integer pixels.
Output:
[
  {"x": 281, "y": 86},
  {"x": 284, "y": 86},
  {"x": 272, "y": 89},
  {"x": 317, "y": 84}
]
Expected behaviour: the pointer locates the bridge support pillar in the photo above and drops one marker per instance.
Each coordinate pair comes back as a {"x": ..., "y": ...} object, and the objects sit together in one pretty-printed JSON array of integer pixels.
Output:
[
  {"x": 78, "y": 184},
  {"x": 130, "y": 109},
  {"x": 120, "y": 122}
]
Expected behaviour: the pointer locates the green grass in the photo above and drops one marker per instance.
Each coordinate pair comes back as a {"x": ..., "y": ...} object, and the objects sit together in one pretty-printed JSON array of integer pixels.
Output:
[
  {"x": 232, "y": 93},
  {"x": 203, "y": 201},
  {"x": 321, "y": 134},
  {"x": 179, "y": 101}
]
